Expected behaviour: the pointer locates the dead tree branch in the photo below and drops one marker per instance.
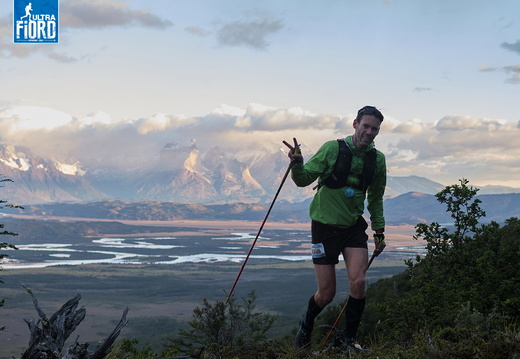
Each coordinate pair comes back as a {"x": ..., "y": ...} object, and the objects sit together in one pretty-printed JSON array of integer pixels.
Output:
[{"x": 48, "y": 335}]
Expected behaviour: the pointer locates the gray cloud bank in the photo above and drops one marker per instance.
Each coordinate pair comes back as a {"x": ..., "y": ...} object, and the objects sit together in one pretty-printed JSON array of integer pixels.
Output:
[
  {"x": 512, "y": 71},
  {"x": 99, "y": 14},
  {"x": 251, "y": 33},
  {"x": 513, "y": 47},
  {"x": 458, "y": 146}
]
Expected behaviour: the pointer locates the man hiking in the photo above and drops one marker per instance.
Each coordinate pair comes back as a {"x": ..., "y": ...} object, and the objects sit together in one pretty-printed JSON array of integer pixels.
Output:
[{"x": 349, "y": 171}]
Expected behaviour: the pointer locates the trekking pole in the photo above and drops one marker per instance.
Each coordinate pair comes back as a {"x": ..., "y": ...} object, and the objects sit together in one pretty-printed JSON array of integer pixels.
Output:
[
  {"x": 260, "y": 230},
  {"x": 344, "y": 307}
]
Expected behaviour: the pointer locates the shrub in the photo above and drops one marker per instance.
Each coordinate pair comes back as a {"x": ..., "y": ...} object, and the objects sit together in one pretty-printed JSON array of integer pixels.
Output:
[
  {"x": 462, "y": 299},
  {"x": 224, "y": 324}
]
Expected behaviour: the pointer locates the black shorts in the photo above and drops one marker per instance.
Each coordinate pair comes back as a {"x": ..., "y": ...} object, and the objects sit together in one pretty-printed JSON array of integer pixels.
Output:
[{"x": 329, "y": 241}]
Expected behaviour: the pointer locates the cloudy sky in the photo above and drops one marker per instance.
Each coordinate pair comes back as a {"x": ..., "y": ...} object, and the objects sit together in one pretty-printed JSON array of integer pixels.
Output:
[{"x": 128, "y": 76}]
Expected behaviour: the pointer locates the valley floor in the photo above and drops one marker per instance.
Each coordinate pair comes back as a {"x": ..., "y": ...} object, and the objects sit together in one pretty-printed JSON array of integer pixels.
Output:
[{"x": 161, "y": 298}]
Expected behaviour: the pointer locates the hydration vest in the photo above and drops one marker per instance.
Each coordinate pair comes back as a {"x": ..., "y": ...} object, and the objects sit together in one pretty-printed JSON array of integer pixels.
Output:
[{"x": 341, "y": 171}]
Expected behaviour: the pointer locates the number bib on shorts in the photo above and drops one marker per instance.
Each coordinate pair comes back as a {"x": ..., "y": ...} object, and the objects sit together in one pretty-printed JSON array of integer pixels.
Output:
[{"x": 317, "y": 250}]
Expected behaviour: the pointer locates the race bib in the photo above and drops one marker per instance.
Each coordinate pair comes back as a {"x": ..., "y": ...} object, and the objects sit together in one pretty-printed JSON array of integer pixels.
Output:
[{"x": 317, "y": 250}]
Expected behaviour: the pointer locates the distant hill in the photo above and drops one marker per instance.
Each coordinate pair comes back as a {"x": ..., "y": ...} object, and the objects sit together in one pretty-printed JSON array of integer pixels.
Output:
[
  {"x": 497, "y": 190},
  {"x": 409, "y": 208},
  {"x": 413, "y": 208},
  {"x": 400, "y": 185}
]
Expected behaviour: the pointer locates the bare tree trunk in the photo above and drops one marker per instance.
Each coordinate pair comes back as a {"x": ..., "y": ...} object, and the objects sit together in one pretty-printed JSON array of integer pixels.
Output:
[{"x": 48, "y": 336}]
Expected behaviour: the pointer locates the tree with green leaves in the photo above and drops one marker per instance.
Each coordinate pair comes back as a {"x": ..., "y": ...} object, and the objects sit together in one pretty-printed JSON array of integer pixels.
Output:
[
  {"x": 465, "y": 211},
  {"x": 462, "y": 300}
]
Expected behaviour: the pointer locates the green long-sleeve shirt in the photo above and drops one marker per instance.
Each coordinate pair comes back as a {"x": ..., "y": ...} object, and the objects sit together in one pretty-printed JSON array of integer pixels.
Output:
[{"x": 332, "y": 206}]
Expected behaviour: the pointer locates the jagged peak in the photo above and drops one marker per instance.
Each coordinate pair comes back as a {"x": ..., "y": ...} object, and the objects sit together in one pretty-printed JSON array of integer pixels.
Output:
[
  {"x": 193, "y": 163},
  {"x": 249, "y": 179}
]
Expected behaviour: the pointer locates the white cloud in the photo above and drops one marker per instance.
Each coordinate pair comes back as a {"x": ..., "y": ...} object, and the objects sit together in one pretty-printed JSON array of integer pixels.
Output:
[
  {"x": 264, "y": 118},
  {"x": 225, "y": 110},
  {"x": 161, "y": 122},
  {"x": 457, "y": 146},
  {"x": 99, "y": 117},
  {"x": 456, "y": 123},
  {"x": 33, "y": 118},
  {"x": 256, "y": 109},
  {"x": 411, "y": 127},
  {"x": 478, "y": 125}
]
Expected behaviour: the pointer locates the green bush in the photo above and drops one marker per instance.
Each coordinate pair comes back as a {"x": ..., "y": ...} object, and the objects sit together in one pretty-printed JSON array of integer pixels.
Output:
[
  {"x": 224, "y": 324},
  {"x": 462, "y": 299},
  {"x": 127, "y": 349}
]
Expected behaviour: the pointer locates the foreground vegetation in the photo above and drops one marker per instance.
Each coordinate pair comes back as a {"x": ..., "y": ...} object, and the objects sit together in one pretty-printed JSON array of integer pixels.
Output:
[{"x": 462, "y": 300}]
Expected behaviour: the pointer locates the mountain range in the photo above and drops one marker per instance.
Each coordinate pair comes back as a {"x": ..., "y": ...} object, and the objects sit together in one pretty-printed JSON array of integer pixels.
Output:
[
  {"x": 184, "y": 182},
  {"x": 180, "y": 174}
]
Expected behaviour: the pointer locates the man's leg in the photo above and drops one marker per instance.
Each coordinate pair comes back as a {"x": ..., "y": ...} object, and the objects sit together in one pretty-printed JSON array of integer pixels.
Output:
[
  {"x": 356, "y": 261},
  {"x": 326, "y": 278}
]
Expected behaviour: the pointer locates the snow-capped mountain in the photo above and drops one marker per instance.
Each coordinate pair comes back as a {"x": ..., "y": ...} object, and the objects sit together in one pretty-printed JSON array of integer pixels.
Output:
[
  {"x": 179, "y": 173},
  {"x": 39, "y": 180}
]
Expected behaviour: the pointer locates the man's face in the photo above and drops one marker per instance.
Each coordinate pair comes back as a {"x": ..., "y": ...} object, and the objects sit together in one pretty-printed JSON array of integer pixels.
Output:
[{"x": 366, "y": 130}]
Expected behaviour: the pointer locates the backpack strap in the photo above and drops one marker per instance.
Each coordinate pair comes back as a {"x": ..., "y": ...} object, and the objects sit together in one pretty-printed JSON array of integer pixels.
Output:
[
  {"x": 341, "y": 170},
  {"x": 369, "y": 169},
  {"x": 338, "y": 177}
]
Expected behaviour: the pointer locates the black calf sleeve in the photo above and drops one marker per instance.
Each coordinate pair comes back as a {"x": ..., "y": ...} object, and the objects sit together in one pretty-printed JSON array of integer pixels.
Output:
[
  {"x": 353, "y": 314},
  {"x": 313, "y": 310}
]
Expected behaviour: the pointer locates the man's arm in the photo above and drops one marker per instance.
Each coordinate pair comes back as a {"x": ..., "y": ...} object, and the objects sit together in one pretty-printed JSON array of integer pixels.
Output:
[
  {"x": 320, "y": 164},
  {"x": 376, "y": 192}
]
